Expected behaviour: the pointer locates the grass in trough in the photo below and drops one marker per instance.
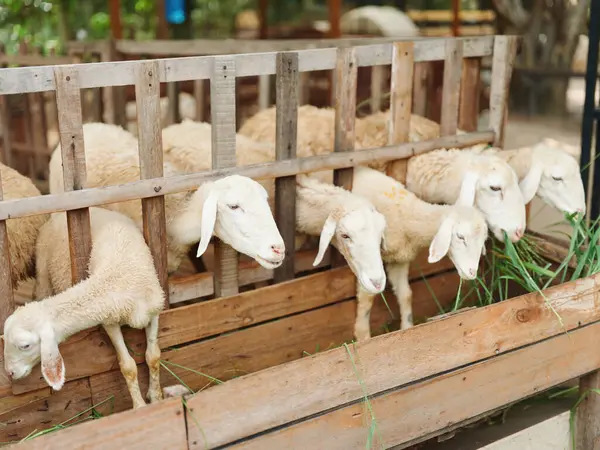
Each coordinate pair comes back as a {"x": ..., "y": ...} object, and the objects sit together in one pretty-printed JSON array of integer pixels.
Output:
[{"x": 522, "y": 264}]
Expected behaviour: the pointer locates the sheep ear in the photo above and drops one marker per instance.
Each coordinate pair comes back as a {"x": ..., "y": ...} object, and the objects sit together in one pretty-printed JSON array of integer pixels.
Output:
[
  {"x": 531, "y": 183},
  {"x": 209, "y": 218},
  {"x": 441, "y": 242},
  {"x": 468, "y": 189},
  {"x": 483, "y": 250},
  {"x": 326, "y": 235},
  {"x": 53, "y": 366}
]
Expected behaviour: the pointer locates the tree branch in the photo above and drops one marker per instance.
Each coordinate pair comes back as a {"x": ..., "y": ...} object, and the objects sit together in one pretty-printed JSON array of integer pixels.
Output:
[{"x": 514, "y": 12}]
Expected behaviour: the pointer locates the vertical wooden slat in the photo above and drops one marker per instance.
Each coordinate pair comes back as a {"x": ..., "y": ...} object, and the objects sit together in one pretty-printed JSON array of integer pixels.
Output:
[
  {"x": 420, "y": 89},
  {"x": 505, "y": 50},
  {"x": 29, "y": 131},
  {"x": 469, "y": 95},
  {"x": 68, "y": 102},
  {"x": 147, "y": 97},
  {"x": 7, "y": 300},
  {"x": 173, "y": 108},
  {"x": 376, "y": 88},
  {"x": 451, "y": 87},
  {"x": 346, "y": 73},
  {"x": 5, "y": 118},
  {"x": 108, "y": 106},
  {"x": 285, "y": 142},
  {"x": 400, "y": 102},
  {"x": 199, "y": 97},
  {"x": 304, "y": 88},
  {"x": 587, "y": 429},
  {"x": 222, "y": 104},
  {"x": 264, "y": 97}
]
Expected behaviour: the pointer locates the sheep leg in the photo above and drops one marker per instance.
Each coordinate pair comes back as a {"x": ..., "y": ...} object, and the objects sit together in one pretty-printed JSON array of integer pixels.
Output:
[
  {"x": 362, "y": 326},
  {"x": 398, "y": 276},
  {"x": 126, "y": 364},
  {"x": 153, "y": 360}
]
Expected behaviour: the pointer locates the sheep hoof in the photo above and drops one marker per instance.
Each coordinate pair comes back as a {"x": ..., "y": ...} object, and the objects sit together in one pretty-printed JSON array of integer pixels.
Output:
[{"x": 154, "y": 396}]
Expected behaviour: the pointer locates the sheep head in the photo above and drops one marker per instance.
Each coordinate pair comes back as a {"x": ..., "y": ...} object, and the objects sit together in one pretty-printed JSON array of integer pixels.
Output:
[
  {"x": 29, "y": 338},
  {"x": 236, "y": 210},
  {"x": 555, "y": 176},
  {"x": 492, "y": 186},
  {"x": 358, "y": 231},
  {"x": 461, "y": 236}
]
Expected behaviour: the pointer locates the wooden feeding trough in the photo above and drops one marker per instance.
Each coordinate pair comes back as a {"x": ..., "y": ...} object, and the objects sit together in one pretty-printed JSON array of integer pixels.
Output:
[{"x": 292, "y": 380}]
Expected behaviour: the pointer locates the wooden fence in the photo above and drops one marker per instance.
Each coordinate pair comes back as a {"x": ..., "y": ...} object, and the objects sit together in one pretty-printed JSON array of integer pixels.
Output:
[{"x": 399, "y": 388}]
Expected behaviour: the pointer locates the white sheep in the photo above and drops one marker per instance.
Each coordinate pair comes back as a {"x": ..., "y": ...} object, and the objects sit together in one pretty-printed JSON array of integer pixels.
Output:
[
  {"x": 412, "y": 225},
  {"x": 548, "y": 170},
  {"x": 23, "y": 231},
  {"x": 122, "y": 289},
  {"x": 234, "y": 208},
  {"x": 484, "y": 181},
  {"x": 349, "y": 222}
]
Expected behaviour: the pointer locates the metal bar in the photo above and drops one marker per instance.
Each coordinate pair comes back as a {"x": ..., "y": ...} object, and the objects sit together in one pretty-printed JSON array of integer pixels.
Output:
[{"x": 589, "y": 109}]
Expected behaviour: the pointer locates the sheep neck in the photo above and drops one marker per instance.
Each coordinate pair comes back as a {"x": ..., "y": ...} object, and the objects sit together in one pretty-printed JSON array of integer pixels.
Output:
[
  {"x": 519, "y": 160},
  {"x": 422, "y": 223},
  {"x": 80, "y": 307},
  {"x": 315, "y": 205},
  {"x": 184, "y": 227}
]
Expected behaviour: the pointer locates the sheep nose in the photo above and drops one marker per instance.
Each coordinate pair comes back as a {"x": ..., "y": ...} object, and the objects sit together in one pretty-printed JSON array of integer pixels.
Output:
[
  {"x": 472, "y": 272},
  {"x": 278, "y": 249},
  {"x": 519, "y": 233},
  {"x": 376, "y": 283},
  {"x": 10, "y": 374}
]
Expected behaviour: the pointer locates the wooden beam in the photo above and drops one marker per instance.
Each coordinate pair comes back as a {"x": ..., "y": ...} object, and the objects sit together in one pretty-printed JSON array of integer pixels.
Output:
[
  {"x": 286, "y": 125},
  {"x": 7, "y": 299},
  {"x": 147, "y": 95},
  {"x": 222, "y": 105},
  {"x": 263, "y": 17},
  {"x": 451, "y": 88},
  {"x": 335, "y": 13},
  {"x": 469, "y": 94},
  {"x": 470, "y": 336},
  {"x": 587, "y": 425},
  {"x": 162, "y": 186}
]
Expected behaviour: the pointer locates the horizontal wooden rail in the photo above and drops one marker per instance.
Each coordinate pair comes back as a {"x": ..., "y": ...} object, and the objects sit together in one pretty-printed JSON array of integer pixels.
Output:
[
  {"x": 92, "y": 75},
  {"x": 22, "y": 207},
  {"x": 386, "y": 362}
]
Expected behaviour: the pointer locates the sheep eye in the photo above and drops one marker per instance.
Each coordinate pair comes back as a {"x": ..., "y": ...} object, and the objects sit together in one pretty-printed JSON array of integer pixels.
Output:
[
  {"x": 557, "y": 178},
  {"x": 345, "y": 236},
  {"x": 495, "y": 188},
  {"x": 461, "y": 237},
  {"x": 234, "y": 207},
  {"x": 24, "y": 347}
]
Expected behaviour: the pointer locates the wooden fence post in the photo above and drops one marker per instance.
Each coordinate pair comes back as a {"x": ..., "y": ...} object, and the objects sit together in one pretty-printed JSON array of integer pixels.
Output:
[
  {"x": 147, "y": 96},
  {"x": 451, "y": 87},
  {"x": 400, "y": 103},
  {"x": 68, "y": 102},
  {"x": 346, "y": 74},
  {"x": 7, "y": 299},
  {"x": 469, "y": 95},
  {"x": 587, "y": 429},
  {"x": 222, "y": 105},
  {"x": 173, "y": 109},
  {"x": 286, "y": 124},
  {"x": 505, "y": 50}
]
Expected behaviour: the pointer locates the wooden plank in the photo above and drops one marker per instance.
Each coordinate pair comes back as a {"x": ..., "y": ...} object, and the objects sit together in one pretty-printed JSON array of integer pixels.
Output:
[
  {"x": 160, "y": 425},
  {"x": 505, "y": 50},
  {"x": 147, "y": 96},
  {"x": 222, "y": 105},
  {"x": 5, "y": 118},
  {"x": 420, "y": 89},
  {"x": 264, "y": 92},
  {"x": 469, "y": 94},
  {"x": 7, "y": 304},
  {"x": 446, "y": 399},
  {"x": 400, "y": 104},
  {"x": 346, "y": 75},
  {"x": 173, "y": 106},
  {"x": 68, "y": 102},
  {"x": 469, "y": 336},
  {"x": 587, "y": 422},
  {"x": 199, "y": 97},
  {"x": 255, "y": 348},
  {"x": 35, "y": 79},
  {"x": 451, "y": 87},
  {"x": 286, "y": 127},
  {"x": 304, "y": 88},
  {"x": 151, "y": 188},
  {"x": 376, "y": 88},
  {"x": 40, "y": 410},
  {"x": 182, "y": 288}
]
